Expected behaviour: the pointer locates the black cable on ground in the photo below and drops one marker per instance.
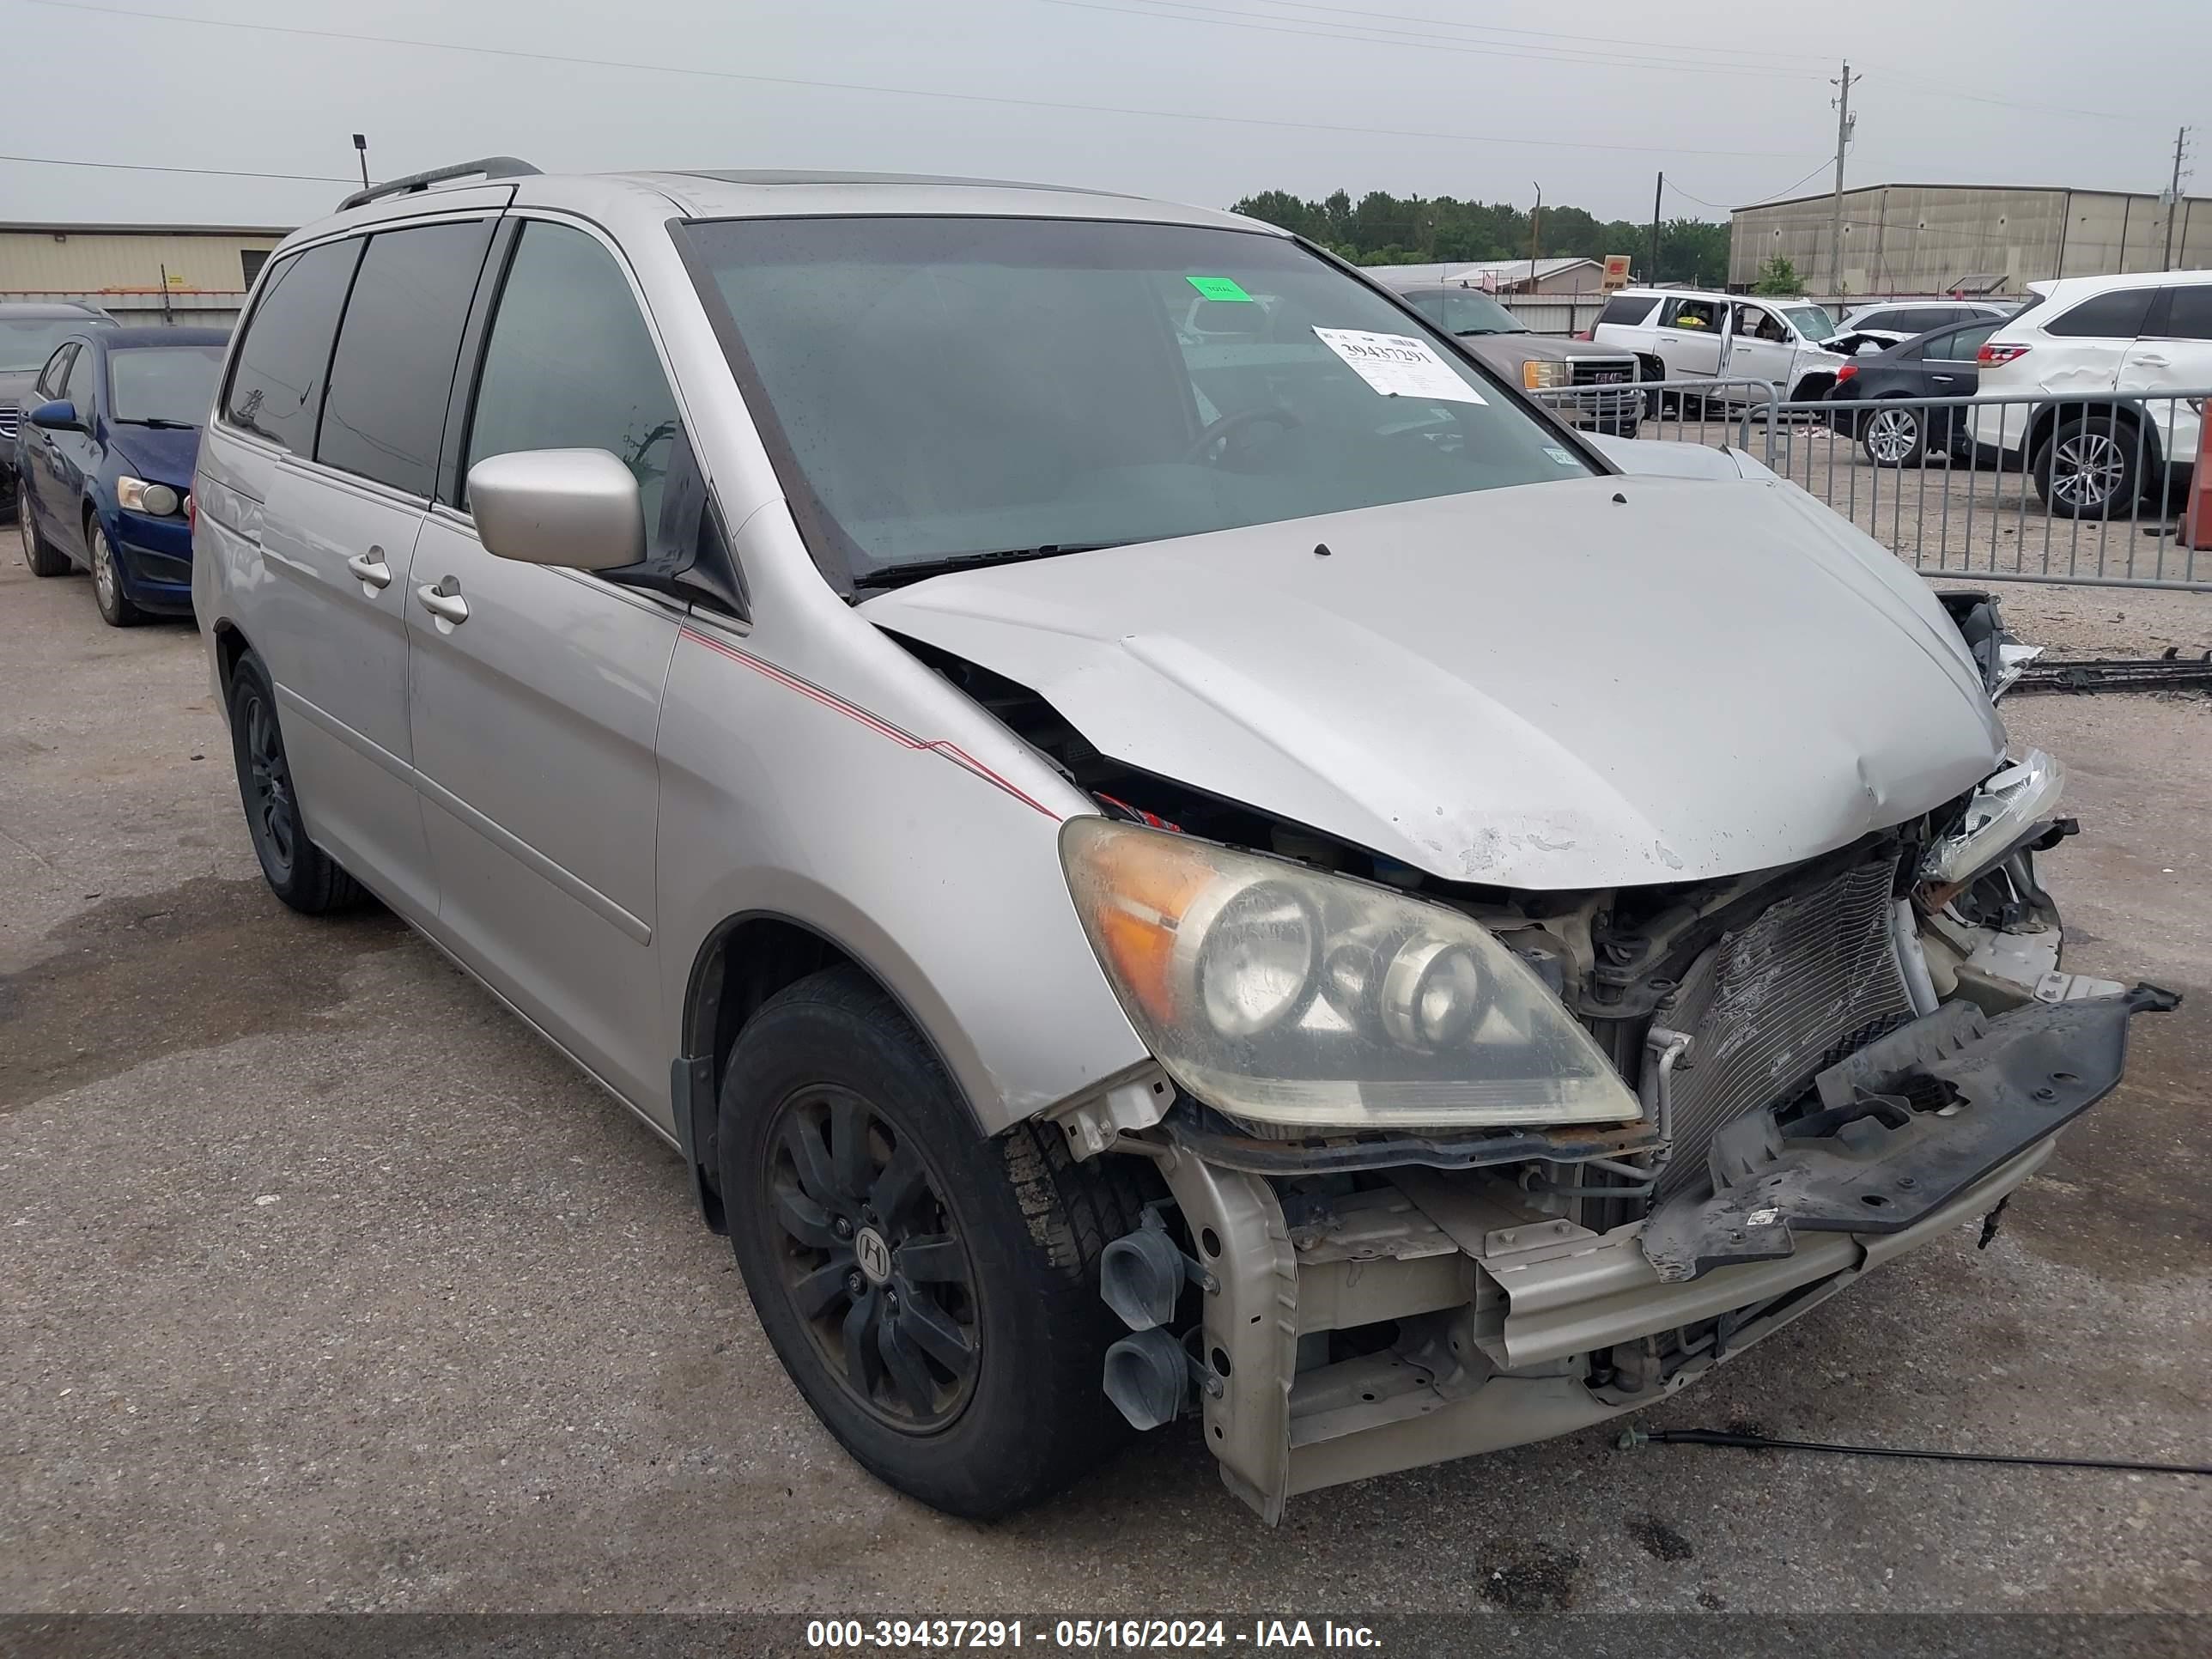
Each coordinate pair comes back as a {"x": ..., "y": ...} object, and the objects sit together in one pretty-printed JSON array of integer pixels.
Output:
[{"x": 1632, "y": 1439}]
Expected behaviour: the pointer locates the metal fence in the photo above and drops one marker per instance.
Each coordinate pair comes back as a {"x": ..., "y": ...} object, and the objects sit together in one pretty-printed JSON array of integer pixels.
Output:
[{"x": 2087, "y": 489}]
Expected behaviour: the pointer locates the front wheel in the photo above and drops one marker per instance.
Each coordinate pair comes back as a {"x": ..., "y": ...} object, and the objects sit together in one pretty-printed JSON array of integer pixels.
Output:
[
  {"x": 116, "y": 608},
  {"x": 2088, "y": 469},
  {"x": 1894, "y": 436},
  {"x": 933, "y": 1292}
]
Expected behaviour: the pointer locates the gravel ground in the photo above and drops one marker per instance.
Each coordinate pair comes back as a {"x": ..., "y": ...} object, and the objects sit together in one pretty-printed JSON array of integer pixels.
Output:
[{"x": 330, "y": 1287}]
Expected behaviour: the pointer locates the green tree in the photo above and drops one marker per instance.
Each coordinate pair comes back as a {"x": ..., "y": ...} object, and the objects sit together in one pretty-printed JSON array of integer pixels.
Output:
[{"x": 1778, "y": 275}]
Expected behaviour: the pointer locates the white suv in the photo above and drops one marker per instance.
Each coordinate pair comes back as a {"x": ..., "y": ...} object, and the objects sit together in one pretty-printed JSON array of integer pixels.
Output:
[
  {"x": 1702, "y": 335},
  {"x": 2147, "y": 337}
]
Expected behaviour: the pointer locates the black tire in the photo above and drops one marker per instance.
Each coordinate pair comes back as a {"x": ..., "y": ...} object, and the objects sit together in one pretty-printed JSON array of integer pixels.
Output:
[
  {"x": 2090, "y": 468},
  {"x": 298, "y": 872},
  {"x": 1892, "y": 436},
  {"x": 116, "y": 608},
  {"x": 41, "y": 554},
  {"x": 829, "y": 1077}
]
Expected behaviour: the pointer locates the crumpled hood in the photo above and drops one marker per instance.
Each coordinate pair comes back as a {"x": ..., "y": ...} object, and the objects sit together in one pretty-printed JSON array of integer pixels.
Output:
[
  {"x": 1591, "y": 683},
  {"x": 159, "y": 455}
]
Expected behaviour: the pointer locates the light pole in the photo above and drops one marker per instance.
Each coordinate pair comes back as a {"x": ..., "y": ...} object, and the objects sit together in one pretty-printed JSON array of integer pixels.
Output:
[{"x": 361, "y": 144}]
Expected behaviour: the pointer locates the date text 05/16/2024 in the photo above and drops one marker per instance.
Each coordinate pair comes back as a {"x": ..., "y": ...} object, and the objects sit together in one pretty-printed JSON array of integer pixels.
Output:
[{"x": 1085, "y": 1635}]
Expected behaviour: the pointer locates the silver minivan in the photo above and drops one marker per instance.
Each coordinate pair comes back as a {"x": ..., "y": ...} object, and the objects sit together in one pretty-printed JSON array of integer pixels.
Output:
[{"x": 1147, "y": 873}]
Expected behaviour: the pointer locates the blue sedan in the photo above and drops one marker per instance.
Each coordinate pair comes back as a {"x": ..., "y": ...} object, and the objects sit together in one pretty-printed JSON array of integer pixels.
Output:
[{"x": 105, "y": 463}]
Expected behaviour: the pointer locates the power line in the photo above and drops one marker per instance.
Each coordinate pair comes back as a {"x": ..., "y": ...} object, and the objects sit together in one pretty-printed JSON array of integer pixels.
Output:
[
  {"x": 205, "y": 173},
  {"x": 1185, "y": 11},
  {"x": 520, "y": 54},
  {"x": 1773, "y": 196}
]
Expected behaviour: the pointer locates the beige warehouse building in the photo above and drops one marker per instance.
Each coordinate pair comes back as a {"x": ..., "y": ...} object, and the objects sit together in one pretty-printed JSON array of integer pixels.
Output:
[
  {"x": 196, "y": 274},
  {"x": 1993, "y": 239}
]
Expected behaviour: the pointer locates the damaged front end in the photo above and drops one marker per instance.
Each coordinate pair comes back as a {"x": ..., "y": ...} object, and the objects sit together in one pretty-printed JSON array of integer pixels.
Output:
[{"x": 1826, "y": 1065}]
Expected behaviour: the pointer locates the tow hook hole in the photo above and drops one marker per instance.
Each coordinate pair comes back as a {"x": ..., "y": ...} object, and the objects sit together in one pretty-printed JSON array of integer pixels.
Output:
[
  {"x": 1874, "y": 1200},
  {"x": 1209, "y": 1241},
  {"x": 2065, "y": 1077},
  {"x": 1367, "y": 1395},
  {"x": 1220, "y": 1362},
  {"x": 1217, "y": 1430}
]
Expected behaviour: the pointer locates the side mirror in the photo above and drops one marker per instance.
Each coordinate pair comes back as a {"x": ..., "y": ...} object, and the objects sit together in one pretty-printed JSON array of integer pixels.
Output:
[
  {"x": 577, "y": 508},
  {"x": 59, "y": 415}
]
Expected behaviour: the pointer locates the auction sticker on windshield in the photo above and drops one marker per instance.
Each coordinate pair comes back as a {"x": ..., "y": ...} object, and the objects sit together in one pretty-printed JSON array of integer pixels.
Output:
[{"x": 1398, "y": 365}]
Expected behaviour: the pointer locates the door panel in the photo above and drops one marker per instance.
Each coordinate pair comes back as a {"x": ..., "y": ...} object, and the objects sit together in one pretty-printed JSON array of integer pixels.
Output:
[
  {"x": 533, "y": 721},
  {"x": 333, "y": 632},
  {"x": 1755, "y": 358},
  {"x": 1690, "y": 337}
]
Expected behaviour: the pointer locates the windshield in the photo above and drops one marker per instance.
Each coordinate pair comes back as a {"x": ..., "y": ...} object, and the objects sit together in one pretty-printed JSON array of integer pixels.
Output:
[
  {"x": 172, "y": 384},
  {"x": 1811, "y": 321},
  {"x": 28, "y": 342},
  {"x": 1467, "y": 312},
  {"x": 943, "y": 388}
]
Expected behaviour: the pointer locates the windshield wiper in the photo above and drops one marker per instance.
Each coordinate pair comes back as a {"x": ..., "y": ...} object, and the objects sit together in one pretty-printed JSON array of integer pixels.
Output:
[
  {"x": 154, "y": 421},
  {"x": 897, "y": 575}
]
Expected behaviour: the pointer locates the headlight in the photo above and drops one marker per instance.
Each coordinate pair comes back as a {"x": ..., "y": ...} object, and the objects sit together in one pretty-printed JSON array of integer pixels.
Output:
[
  {"x": 1538, "y": 376},
  {"x": 2008, "y": 803},
  {"x": 1284, "y": 994},
  {"x": 139, "y": 496}
]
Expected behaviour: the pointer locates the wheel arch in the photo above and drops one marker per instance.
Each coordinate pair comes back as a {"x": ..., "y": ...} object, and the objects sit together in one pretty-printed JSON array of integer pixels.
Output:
[
  {"x": 230, "y": 645},
  {"x": 2048, "y": 420},
  {"x": 742, "y": 961}
]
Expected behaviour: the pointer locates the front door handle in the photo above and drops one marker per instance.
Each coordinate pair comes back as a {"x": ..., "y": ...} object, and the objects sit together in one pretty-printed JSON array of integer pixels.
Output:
[
  {"x": 444, "y": 601},
  {"x": 370, "y": 568}
]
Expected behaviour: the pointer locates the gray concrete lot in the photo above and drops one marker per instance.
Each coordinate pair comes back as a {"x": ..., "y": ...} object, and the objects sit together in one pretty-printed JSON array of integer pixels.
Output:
[{"x": 328, "y": 1287}]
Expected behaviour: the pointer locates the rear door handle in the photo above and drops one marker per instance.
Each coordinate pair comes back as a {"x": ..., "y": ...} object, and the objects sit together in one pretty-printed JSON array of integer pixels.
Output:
[
  {"x": 444, "y": 601},
  {"x": 370, "y": 568},
  {"x": 2155, "y": 362}
]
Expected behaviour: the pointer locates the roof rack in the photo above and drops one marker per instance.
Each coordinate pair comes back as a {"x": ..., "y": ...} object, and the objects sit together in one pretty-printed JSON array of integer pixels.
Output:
[{"x": 489, "y": 166}]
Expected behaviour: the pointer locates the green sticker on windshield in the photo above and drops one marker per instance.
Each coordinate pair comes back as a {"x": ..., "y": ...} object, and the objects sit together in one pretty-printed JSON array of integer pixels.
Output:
[{"x": 1219, "y": 287}]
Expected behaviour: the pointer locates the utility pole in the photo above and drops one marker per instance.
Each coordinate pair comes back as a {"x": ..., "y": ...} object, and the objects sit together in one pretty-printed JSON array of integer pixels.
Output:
[
  {"x": 1842, "y": 141},
  {"x": 361, "y": 144},
  {"x": 1658, "y": 191},
  {"x": 2173, "y": 200},
  {"x": 1535, "y": 236}
]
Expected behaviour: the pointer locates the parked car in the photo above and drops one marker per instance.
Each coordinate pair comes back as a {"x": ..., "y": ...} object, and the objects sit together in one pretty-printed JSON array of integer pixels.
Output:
[
  {"x": 1172, "y": 875},
  {"x": 1890, "y": 322},
  {"x": 2148, "y": 336},
  {"x": 1938, "y": 364},
  {"x": 29, "y": 331},
  {"x": 1539, "y": 363},
  {"x": 106, "y": 464},
  {"x": 1701, "y": 335}
]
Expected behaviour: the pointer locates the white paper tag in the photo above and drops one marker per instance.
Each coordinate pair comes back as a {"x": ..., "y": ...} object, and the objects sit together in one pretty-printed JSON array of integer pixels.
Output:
[{"x": 1398, "y": 365}]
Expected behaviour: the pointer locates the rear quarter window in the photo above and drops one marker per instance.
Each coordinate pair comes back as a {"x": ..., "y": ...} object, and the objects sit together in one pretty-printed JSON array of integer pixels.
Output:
[
  {"x": 1627, "y": 310},
  {"x": 282, "y": 362}
]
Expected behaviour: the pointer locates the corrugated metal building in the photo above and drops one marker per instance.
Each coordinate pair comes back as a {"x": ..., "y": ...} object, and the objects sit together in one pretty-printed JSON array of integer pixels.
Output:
[
  {"x": 195, "y": 274},
  {"x": 1993, "y": 239}
]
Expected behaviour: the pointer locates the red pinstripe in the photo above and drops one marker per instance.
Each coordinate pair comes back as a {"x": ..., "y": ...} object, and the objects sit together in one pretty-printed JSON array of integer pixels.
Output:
[{"x": 940, "y": 746}]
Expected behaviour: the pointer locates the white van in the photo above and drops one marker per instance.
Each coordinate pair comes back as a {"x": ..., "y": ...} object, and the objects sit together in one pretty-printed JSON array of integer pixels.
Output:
[{"x": 1701, "y": 334}]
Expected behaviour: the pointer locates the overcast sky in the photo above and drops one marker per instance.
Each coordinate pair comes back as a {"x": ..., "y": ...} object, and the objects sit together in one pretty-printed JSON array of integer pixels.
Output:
[{"x": 1588, "y": 97}]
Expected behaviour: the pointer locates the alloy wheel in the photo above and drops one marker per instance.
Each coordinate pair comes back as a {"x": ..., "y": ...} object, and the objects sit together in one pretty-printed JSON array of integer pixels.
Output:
[
  {"x": 1892, "y": 435},
  {"x": 269, "y": 782},
  {"x": 2086, "y": 469},
  {"x": 872, "y": 1259}
]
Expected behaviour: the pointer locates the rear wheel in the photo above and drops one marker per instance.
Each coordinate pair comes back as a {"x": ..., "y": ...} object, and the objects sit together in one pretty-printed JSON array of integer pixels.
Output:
[
  {"x": 1892, "y": 436},
  {"x": 41, "y": 554},
  {"x": 933, "y": 1293},
  {"x": 116, "y": 608},
  {"x": 2089, "y": 469},
  {"x": 298, "y": 872}
]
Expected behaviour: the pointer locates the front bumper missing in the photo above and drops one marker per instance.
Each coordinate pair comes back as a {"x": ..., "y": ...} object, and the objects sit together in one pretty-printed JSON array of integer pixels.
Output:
[
  {"x": 1502, "y": 1310},
  {"x": 1869, "y": 1160}
]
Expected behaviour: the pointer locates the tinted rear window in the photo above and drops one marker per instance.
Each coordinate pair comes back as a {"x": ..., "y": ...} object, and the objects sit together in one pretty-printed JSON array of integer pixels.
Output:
[
  {"x": 393, "y": 369},
  {"x": 2188, "y": 312},
  {"x": 276, "y": 387},
  {"x": 2116, "y": 316},
  {"x": 1627, "y": 310}
]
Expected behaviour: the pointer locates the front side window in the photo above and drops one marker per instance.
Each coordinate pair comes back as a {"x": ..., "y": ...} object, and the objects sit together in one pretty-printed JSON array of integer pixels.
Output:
[
  {"x": 78, "y": 388},
  {"x": 282, "y": 363},
  {"x": 393, "y": 373},
  {"x": 570, "y": 365},
  {"x": 1757, "y": 322},
  {"x": 55, "y": 376},
  {"x": 162, "y": 386},
  {"x": 2118, "y": 315},
  {"x": 26, "y": 341},
  {"x": 955, "y": 388}
]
